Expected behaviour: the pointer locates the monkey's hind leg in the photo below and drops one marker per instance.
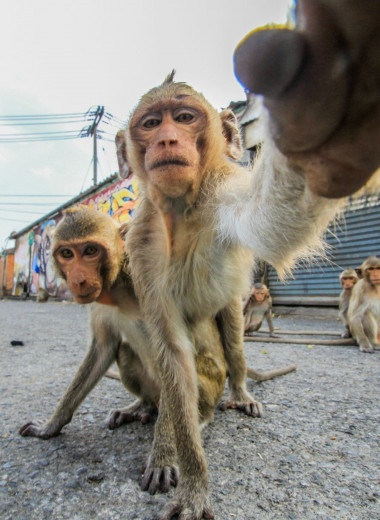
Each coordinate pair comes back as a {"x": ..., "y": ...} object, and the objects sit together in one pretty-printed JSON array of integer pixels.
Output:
[
  {"x": 139, "y": 410},
  {"x": 364, "y": 329},
  {"x": 137, "y": 381},
  {"x": 230, "y": 324}
]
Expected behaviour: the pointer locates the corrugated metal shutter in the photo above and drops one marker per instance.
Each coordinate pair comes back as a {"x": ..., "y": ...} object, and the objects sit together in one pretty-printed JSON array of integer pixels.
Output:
[{"x": 355, "y": 238}]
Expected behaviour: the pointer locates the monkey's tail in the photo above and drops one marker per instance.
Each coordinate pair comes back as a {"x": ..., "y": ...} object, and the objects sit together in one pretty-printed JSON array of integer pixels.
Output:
[
  {"x": 270, "y": 374},
  {"x": 113, "y": 374}
]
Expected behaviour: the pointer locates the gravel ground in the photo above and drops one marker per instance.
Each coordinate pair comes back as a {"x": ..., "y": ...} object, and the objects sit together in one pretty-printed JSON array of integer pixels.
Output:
[{"x": 315, "y": 455}]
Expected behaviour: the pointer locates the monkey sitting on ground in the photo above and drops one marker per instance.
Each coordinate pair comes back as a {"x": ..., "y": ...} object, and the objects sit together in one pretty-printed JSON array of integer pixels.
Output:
[
  {"x": 364, "y": 307},
  {"x": 190, "y": 248},
  {"x": 88, "y": 252},
  {"x": 348, "y": 279},
  {"x": 258, "y": 307}
]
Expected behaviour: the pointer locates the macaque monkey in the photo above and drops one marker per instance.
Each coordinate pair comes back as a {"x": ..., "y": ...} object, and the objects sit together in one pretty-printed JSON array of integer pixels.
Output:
[
  {"x": 348, "y": 279},
  {"x": 364, "y": 307},
  {"x": 258, "y": 307},
  {"x": 191, "y": 244},
  {"x": 88, "y": 252}
]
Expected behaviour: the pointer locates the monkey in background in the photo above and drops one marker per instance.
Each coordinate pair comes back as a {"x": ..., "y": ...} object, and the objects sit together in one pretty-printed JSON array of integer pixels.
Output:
[
  {"x": 364, "y": 307},
  {"x": 88, "y": 252},
  {"x": 258, "y": 307},
  {"x": 348, "y": 279}
]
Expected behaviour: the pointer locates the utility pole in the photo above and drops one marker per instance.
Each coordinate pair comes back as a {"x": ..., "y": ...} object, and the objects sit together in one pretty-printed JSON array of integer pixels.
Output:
[{"x": 92, "y": 131}]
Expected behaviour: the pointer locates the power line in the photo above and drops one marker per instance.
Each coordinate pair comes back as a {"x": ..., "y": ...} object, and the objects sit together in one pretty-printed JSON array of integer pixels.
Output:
[
  {"x": 27, "y": 203},
  {"x": 16, "y": 220},
  {"x": 32, "y": 195},
  {"x": 21, "y": 211}
]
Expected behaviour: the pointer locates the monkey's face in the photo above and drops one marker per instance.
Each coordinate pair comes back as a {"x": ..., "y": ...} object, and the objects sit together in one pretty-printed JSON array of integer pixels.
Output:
[
  {"x": 81, "y": 265},
  {"x": 347, "y": 282},
  {"x": 170, "y": 138},
  {"x": 260, "y": 295},
  {"x": 372, "y": 273}
]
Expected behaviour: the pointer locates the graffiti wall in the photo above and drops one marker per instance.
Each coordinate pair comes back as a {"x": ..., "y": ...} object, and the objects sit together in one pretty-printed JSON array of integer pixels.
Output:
[
  {"x": 33, "y": 270},
  {"x": 118, "y": 200}
]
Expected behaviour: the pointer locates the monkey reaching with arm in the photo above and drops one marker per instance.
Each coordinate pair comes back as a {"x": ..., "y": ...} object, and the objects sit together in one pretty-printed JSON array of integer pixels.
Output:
[
  {"x": 258, "y": 307},
  {"x": 198, "y": 221},
  {"x": 348, "y": 279},
  {"x": 364, "y": 307}
]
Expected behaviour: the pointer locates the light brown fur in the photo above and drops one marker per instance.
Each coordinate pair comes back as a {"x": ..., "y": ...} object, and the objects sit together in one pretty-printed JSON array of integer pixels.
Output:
[
  {"x": 197, "y": 223},
  {"x": 348, "y": 279},
  {"x": 88, "y": 252},
  {"x": 364, "y": 307},
  {"x": 258, "y": 307}
]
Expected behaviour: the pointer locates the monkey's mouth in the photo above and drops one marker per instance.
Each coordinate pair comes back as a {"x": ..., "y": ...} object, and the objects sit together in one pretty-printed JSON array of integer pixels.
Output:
[
  {"x": 88, "y": 297},
  {"x": 176, "y": 161}
]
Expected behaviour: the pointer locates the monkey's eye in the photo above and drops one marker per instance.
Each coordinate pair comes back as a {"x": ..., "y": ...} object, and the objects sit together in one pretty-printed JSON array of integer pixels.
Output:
[
  {"x": 151, "y": 122},
  {"x": 185, "y": 117},
  {"x": 91, "y": 250},
  {"x": 66, "y": 253}
]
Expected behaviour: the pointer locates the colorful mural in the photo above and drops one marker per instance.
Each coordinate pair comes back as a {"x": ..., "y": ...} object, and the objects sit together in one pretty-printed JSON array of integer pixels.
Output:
[
  {"x": 21, "y": 265},
  {"x": 118, "y": 200},
  {"x": 33, "y": 270}
]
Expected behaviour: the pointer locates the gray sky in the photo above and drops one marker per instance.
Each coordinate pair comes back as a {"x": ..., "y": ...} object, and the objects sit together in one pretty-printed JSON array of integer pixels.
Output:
[{"x": 60, "y": 57}]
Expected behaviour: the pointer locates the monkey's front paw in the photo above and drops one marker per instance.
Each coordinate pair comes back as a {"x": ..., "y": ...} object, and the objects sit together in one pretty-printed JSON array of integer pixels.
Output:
[
  {"x": 159, "y": 479},
  {"x": 188, "y": 506},
  {"x": 346, "y": 335},
  {"x": 34, "y": 429}
]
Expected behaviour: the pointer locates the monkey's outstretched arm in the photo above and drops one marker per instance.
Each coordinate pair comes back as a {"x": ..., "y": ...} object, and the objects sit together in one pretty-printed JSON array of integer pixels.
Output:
[
  {"x": 320, "y": 82},
  {"x": 97, "y": 361},
  {"x": 273, "y": 212}
]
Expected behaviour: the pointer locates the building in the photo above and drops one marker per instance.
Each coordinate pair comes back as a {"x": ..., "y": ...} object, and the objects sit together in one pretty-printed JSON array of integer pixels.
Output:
[
  {"x": 33, "y": 274},
  {"x": 27, "y": 270}
]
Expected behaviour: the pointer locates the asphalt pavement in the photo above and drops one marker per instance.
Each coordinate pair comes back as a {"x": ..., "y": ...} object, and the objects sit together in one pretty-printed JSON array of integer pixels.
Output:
[{"x": 315, "y": 455}]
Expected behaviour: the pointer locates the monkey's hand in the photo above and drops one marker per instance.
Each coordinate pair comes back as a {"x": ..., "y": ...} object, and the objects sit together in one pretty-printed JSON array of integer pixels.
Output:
[
  {"x": 40, "y": 430},
  {"x": 321, "y": 85},
  {"x": 161, "y": 472},
  {"x": 190, "y": 503},
  {"x": 137, "y": 411},
  {"x": 242, "y": 400}
]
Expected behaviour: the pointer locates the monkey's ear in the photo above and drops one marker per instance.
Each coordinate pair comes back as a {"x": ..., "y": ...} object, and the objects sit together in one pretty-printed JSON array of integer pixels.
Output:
[
  {"x": 123, "y": 229},
  {"x": 231, "y": 134},
  {"x": 121, "y": 152},
  {"x": 359, "y": 272}
]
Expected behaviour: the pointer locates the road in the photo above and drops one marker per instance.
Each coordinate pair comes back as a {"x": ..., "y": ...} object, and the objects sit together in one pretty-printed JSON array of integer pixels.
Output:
[{"x": 315, "y": 455}]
